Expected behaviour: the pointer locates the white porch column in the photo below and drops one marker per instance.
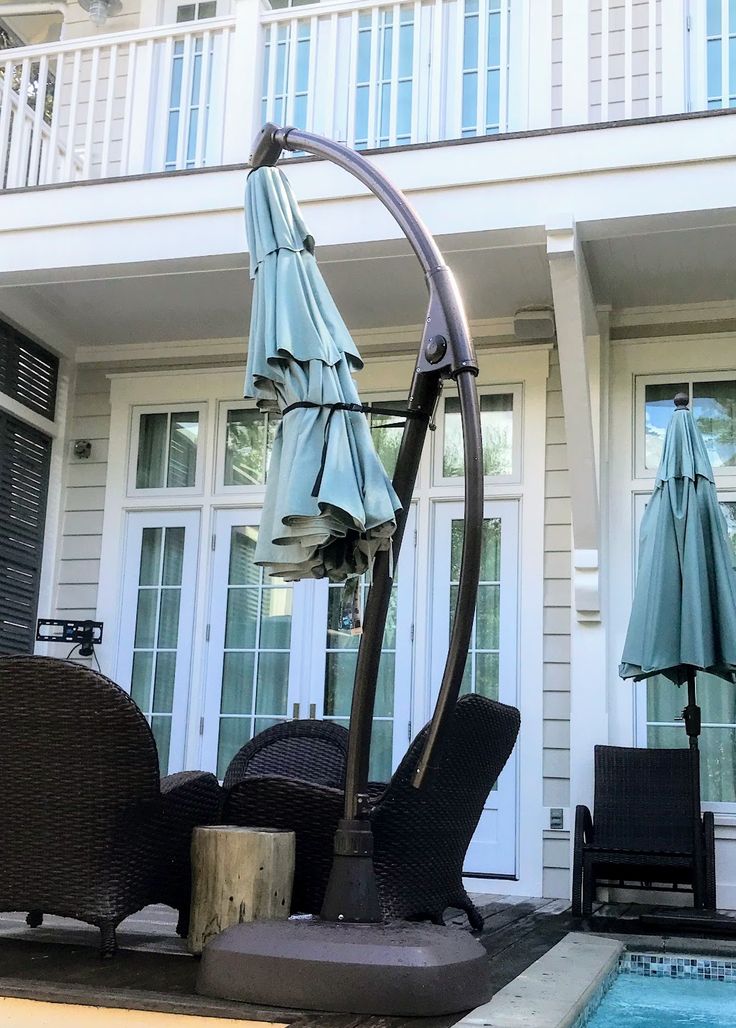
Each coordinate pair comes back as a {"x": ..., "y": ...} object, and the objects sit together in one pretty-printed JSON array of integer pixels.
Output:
[
  {"x": 583, "y": 346},
  {"x": 675, "y": 39},
  {"x": 242, "y": 84},
  {"x": 575, "y": 70}
]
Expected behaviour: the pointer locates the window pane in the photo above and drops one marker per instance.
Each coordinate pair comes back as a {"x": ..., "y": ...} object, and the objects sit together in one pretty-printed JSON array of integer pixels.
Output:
[
  {"x": 387, "y": 440},
  {"x": 234, "y": 733},
  {"x": 340, "y": 675},
  {"x": 714, "y": 409},
  {"x": 168, "y": 619},
  {"x": 242, "y": 551},
  {"x": 276, "y": 619},
  {"x": 183, "y": 450},
  {"x": 379, "y": 768},
  {"x": 208, "y": 9},
  {"x": 161, "y": 726},
  {"x": 713, "y": 18},
  {"x": 385, "y": 686},
  {"x": 241, "y": 619},
  {"x": 717, "y": 758},
  {"x": 658, "y": 409},
  {"x": 140, "y": 686},
  {"x": 245, "y": 446},
  {"x": 497, "y": 425},
  {"x": 151, "y": 451},
  {"x": 186, "y": 12},
  {"x": 470, "y": 100},
  {"x": 490, "y": 554},
  {"x": 237, "y": 683},
  {"x": 487, "y": 617},
  {"x": 486, "y": 674},
  {"x": 173, "y": 556},
  {"x": 272, "y": 684},
  {"x": 145, "y": 622},
  {"x": 163, "y": 687},
  {"x": 150, "y": 557},
  {"x": 714, "y": 68}
]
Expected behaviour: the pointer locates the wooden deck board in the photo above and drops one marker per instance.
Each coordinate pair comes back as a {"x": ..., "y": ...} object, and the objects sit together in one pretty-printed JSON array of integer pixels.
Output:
[{"x": 153, "y": 971}]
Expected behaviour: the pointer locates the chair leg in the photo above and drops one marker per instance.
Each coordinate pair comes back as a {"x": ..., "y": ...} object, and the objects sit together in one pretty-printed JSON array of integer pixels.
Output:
[
  {"x": 475, "y": 917},
  {"x": 709, "y": 859},
  {"x": 577, "y": 885},
  {"x": 108, "y": 940},
  {"x": 34, "y": 918},
  {"x": 588, "y": 888},
  {"x": 182, "y": 925}
]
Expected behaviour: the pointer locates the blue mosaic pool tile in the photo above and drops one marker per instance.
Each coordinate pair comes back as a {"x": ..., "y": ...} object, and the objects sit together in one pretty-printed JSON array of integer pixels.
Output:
[{"x": 661, "y": 965}]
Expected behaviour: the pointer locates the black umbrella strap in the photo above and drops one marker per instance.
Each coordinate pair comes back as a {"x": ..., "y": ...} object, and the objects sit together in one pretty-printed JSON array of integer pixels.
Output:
[{"x": 360, "y": 408}]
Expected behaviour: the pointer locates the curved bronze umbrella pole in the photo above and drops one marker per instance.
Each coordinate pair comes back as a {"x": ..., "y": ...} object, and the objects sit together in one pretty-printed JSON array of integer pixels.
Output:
[{"x": 446, "y": 351}]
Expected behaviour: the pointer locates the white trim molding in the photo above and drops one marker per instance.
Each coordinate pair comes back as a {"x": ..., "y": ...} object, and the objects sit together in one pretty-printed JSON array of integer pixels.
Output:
[{"x": 576, "y": 320}]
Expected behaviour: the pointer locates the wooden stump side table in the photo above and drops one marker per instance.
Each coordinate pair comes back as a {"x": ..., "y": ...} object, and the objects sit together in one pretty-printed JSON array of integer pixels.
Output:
[{"x": 238, "y": 874}]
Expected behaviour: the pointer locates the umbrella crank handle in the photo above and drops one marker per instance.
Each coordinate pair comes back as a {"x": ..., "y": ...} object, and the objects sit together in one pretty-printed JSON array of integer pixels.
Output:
[{"x": 691, "y": 715}]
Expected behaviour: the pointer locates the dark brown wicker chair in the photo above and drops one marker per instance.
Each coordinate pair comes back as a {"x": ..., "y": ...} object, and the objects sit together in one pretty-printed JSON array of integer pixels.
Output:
[
  {"x": 312, "y": 751},
  {"x": 646, "y": 830},
  {"x": 421, "y": 836},
  {"x": 87, "y": 828}
]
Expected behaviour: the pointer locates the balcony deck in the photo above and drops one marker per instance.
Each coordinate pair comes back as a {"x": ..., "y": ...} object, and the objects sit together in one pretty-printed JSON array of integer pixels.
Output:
[{"x": 153, "y": 971}]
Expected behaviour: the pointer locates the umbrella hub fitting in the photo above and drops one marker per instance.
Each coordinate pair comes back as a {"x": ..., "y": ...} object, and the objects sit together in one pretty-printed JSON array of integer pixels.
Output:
[
  {"x": 352, "y": 892},
  {"x": 691, "y": 714},
  {"x": 446, "y": 343}
]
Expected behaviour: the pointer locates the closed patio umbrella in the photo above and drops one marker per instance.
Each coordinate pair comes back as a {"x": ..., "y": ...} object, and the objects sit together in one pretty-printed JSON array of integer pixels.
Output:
[
  {"x": 683, "y": 617},
  {"x": 329, "y": 505}
]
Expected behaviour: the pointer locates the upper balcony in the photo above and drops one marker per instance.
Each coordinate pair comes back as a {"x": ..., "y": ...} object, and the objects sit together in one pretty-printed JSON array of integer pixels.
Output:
[{"x": 370, "y": 73}]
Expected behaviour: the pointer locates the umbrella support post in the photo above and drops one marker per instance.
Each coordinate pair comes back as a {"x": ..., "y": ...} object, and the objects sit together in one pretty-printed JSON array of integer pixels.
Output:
[{"x": 351, "y": 962}]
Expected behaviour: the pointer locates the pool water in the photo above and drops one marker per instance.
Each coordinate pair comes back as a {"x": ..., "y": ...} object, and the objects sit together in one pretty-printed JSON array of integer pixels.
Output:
[{"x": 634, "y": 1001}]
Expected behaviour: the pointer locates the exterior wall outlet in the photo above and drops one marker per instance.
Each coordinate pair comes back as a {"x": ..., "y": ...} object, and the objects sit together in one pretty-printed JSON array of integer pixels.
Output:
[{"x": 556, "y": 819}]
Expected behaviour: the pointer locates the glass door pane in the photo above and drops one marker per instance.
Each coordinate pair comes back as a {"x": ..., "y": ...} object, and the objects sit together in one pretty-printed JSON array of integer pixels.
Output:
[
  {"x": 250, "y": 663},
  {"x": 154, "y": 653},
  {"x": 491, "y": 668}
]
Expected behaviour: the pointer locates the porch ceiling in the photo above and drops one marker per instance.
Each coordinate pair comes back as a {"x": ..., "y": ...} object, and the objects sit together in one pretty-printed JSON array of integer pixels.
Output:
[{"x": 632, "y": 263}]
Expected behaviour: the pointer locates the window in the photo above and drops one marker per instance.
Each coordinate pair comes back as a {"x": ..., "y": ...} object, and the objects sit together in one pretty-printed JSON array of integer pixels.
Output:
[
  {"x": 498, "y": 411},
  {"x": 249, "y": 435},
  {"x": 713, "y": 403},
  {"x": 285, "y": 86},
  {"x": 166, "y": 445},
  {"x": 485, "y": 60},
  {"x": 717, "y": 701},
  {"x": 388, "y": 47},
  {"x": 720, "y": 53},
  {"x": 196, "y": 12}
]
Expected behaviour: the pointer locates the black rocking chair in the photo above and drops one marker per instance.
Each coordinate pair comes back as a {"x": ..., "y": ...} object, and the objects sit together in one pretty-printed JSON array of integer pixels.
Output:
[{"x": 647, "y": 831}]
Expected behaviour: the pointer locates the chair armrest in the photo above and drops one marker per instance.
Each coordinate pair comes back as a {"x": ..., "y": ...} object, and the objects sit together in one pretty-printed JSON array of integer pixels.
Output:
[
  {"x": 194, "y": 796},
  {"x": 275, "y": 801},
  {"x": 583, "y": 826}
]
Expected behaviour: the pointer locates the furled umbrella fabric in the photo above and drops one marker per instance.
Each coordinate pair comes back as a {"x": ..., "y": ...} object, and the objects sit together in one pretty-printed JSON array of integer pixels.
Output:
[
  {"x": 329, "y": 505},
  {"x": 683, "y": 617}
]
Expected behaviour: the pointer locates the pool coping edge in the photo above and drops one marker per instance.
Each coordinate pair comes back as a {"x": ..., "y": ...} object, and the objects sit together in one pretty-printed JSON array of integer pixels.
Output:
[{"x": 553, "y": 991}]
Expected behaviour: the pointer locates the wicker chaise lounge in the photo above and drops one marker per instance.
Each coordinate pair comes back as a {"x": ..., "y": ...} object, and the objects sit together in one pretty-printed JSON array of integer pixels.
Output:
[
  {"x": 87, "y": 828},
  {"x": 646, "y": 829},
  {"x": 421, "y": 836}
]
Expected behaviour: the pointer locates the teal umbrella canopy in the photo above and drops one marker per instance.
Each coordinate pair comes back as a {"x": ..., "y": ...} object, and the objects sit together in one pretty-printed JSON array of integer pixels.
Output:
[
  {"x": 329, "y": 505},
  {"x": 683, "y": 618}
]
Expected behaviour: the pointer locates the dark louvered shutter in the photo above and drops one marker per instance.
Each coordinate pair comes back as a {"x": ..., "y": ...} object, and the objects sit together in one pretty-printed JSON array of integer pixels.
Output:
[
  {"x": 25, "y": 455},
  {"x": 28, "y": 373}
]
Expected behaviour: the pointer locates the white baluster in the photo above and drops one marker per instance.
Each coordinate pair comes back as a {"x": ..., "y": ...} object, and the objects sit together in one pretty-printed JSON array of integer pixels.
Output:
[
  {"x": 91, "y": 104},
  {"x": 418, "y": 130},
  {"x": 393, "y": 111},
  {"x": 203, "y": 101},
  {"x": 439, "y": 68},
  {"x": 652, "y": 57},
  {"x": 352, "y": 76},
  {"x": 112, "y": 71},
  {"x": 5, "y": 118},
  {"x": 53, "y": 158},
  {"x": 373, "y": 106},
  {"x": 628, "y": 59},
  {"x": 312, "y": 72},
  {"x": 66, "y": 171},
  {"x": 16, "y": 172},
  {"x": 38, "y": 122}
]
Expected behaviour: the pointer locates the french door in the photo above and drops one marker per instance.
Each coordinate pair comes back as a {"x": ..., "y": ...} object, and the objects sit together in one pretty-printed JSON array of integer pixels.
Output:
[
  {"x": 157, "y": 622},
  {"x": 276, "y": 651},
  {"x": 491, "y": 668}
]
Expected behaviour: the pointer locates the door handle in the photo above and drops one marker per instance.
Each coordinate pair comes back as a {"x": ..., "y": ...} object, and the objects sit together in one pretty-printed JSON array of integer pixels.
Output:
[
  {"x": 295, "y": 712},
  {"x": 312, "y": 711}
]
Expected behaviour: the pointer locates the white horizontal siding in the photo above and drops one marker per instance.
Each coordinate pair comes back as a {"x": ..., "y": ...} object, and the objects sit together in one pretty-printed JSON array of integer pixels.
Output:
[{"x": 84, "y": 499}]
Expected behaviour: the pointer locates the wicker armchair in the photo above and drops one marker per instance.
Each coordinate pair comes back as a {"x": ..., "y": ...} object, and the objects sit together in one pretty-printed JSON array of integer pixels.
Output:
[
  {"x": 312, "y": 751},
  {"x": 87, "y": 828},
  {"x": 420, "y": 836},
  {"x": 646, "y": 830}
]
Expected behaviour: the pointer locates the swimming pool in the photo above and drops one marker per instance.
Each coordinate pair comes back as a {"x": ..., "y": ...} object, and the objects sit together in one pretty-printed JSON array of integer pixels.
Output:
[{"x": 653, "y": 991}]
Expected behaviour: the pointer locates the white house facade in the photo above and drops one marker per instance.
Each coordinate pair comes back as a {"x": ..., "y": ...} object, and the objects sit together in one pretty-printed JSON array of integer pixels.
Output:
[{"x": 576, "y": 162}]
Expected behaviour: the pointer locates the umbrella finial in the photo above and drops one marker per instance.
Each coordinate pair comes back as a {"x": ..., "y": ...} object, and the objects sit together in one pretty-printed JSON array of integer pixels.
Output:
[{"x": 681, "y": 400}]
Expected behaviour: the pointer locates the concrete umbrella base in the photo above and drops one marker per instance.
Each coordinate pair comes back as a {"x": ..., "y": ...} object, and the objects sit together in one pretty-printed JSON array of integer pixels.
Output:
[{"x": 390, "y": 969}]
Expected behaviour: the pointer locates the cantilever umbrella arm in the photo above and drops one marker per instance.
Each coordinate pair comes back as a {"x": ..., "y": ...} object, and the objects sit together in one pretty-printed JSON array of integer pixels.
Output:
[{"x": 446, "y": 351}]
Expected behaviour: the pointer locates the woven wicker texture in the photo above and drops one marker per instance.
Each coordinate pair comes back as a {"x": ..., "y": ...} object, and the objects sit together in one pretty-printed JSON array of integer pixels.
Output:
[
  {"x": 647, "y": 829},
  {"x": 421, "y": 837},
  {"x": 84, "y": 829},
  {"x": 313, "y": 751}
]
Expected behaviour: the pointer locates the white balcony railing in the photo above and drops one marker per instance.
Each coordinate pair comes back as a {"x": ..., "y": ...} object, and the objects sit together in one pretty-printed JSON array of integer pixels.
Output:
[{"x": 367, "y": 72}]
